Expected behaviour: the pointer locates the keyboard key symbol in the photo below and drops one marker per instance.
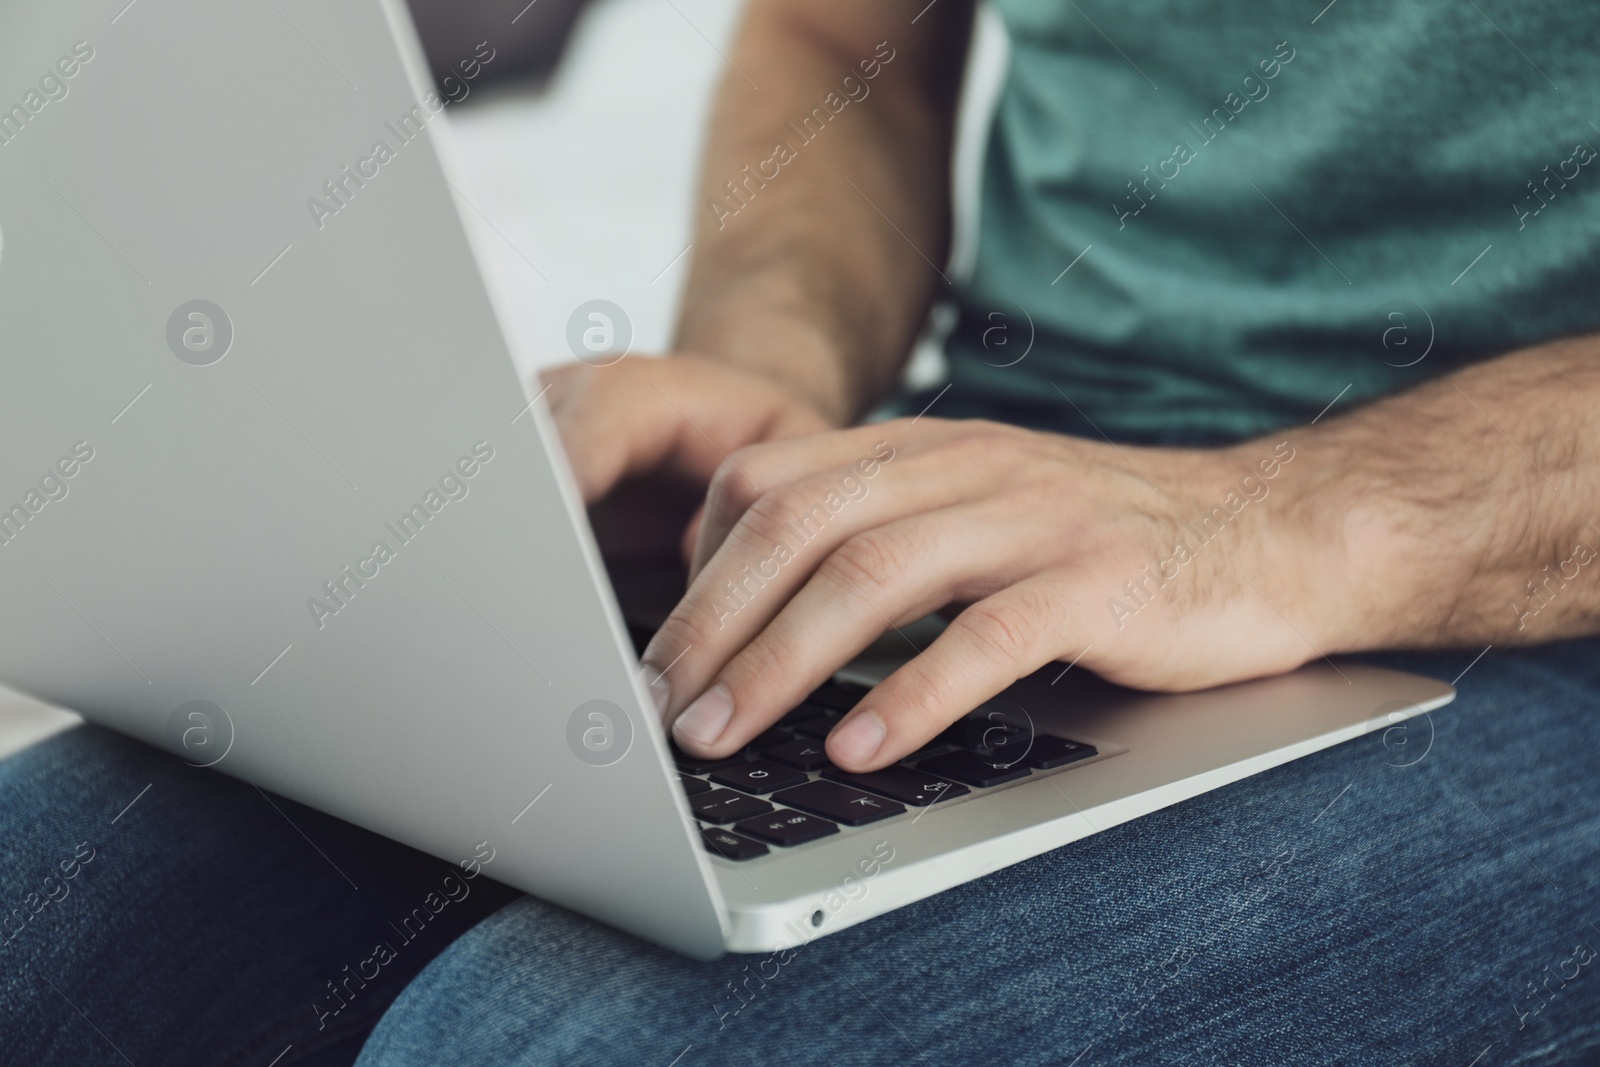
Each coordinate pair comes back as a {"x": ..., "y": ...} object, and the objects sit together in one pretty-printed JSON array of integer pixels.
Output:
[
  {"x": 787, "y": 828},
  {"x": 839, "y": 803}
]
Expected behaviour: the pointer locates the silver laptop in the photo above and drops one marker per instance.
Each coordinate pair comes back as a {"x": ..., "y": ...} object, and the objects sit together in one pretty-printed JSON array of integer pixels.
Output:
[{"x": 273, "y": 498}]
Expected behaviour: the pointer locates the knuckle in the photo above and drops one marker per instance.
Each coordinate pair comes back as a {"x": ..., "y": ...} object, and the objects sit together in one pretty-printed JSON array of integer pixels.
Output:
[
  {"x": 765, "y": 661},
  {"x": 990, "y": 441},
  {"x": 757, "y": 464},
  {"x": 979, "y": 443},
  {"x": 1008, "y": 629},
  {"x": 750, "y": 459},
  {"x": 870, "y": 560},
  {"x": 770, "y": 513},
  {"x": 729, "y": 488},
  {"x": 689, "y": 626},
  {"x": 920, "y": 694}
]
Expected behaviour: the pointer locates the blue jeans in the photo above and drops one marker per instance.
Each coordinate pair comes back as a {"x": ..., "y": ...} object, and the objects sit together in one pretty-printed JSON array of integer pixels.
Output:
[{"x": 1427, "y": 896}]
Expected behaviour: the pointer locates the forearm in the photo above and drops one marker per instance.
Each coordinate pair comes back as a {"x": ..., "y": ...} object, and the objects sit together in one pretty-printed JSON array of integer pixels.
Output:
[
  {"x": 1466, "y": 511},
  {"x": 796, "y": 274}
]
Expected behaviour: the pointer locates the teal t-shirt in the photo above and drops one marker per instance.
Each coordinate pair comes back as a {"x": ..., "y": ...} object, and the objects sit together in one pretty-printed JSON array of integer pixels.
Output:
[{"x": 1210, "y": 218}]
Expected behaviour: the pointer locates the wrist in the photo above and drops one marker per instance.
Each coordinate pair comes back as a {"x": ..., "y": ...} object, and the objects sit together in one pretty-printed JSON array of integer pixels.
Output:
[
  {"x": 792, "y": 355},
  {"x": 1297, "y": 549},
  {"x": 1364, "y": 561}
]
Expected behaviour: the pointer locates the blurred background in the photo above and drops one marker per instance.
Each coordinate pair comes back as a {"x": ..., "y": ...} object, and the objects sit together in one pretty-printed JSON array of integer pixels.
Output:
[{"x": 580, "y": 142}]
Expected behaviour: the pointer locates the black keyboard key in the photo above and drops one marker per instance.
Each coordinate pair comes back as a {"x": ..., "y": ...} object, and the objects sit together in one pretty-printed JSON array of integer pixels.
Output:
[
  {"x": 1042, "y": 753},
  {"x": 978, "y": 734},
  {"x": 1012, "y": 755},
  {"x": 768, "y": 738},
  {"x": 1048, "y": 752},
  {"x": 694, "y": 786},
  {"x": 805, "y": 754},
  {"x": 787, "y": 828},
  {"x": 932, "y": 749},
  {"x": 758, "y": 776},
  {"x": 839, "y": 803},
  {"x": 840, "y": 696},
  {"x": 908, "y": 786},
  {"x": 730, "y": 845},
  {"x": 696, "y": 765},
  {"x": 973, "y": 769},
  {"x": 724, "y": 805},
  {"x": 820, "y": 726},
  {"x": 805, "y": 710}
]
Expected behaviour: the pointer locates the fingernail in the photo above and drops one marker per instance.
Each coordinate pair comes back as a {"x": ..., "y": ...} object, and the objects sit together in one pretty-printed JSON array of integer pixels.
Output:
[
  {"x": 704, "y": 720},
  {"x": 660, "y": 688},
  {"x": 858, "y": 739}
]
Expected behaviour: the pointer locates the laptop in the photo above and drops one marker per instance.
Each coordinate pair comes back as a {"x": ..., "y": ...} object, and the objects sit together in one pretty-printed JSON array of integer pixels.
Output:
[{"x": 275, "y": 500}]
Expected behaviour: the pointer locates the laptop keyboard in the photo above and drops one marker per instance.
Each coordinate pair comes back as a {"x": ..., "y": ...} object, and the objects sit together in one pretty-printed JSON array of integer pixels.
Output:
[{"x": 782, "y": 792}]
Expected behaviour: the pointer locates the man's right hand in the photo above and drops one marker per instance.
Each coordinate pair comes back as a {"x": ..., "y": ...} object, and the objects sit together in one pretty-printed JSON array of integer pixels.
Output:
[
  {"x": 800, "y": 313},
  {"x": 674, "y": 419}
]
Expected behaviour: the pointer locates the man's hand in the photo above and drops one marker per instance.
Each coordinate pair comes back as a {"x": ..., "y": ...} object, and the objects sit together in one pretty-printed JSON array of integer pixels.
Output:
[
  {"x": 679, "y": 415},
  {"x": 678, "y": 418},
  {"x": 1063, "y": 548}
]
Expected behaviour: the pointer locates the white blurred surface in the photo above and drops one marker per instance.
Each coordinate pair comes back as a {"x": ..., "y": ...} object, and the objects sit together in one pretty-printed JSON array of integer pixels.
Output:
[
  {"x": 590, "y": 182},
  {"x": 585, "y": 190},
  {"x": 24, "y": 720}
]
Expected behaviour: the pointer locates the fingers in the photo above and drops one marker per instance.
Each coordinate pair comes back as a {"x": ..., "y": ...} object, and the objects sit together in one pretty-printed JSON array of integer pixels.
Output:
[
  {"x": 679, "y": 414},
  {"x": 987, "y": 647},
  {"x": 614, "y": 425},
  {"x": 850, "y": 458},
  {"x": 559, "y": 382},
  {"x": 773, "y": 551},
  {"x": 880, "y": 578}
]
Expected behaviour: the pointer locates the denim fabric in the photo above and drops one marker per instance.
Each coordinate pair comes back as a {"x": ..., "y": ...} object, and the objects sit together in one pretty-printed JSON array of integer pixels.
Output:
[
  {"x": 153, "y": 913},
  {"x": 1426, "y": 896}
]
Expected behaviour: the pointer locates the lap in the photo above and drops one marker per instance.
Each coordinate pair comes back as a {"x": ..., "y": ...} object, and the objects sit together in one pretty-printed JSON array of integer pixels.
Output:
[
  {"x": 1376, "y": 902},
  {"x": 164, "y": 914}
]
